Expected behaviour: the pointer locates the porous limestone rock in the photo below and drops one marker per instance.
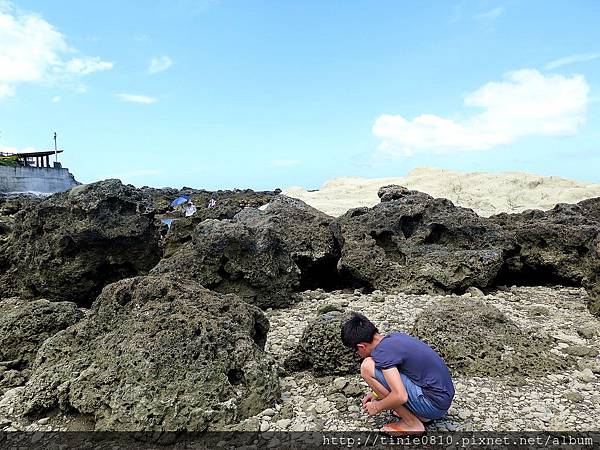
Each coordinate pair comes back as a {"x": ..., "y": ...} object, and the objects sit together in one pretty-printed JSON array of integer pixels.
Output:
[
  {"x": 70, "y": 245},
  {"x": 25, "y": 325},
  {"x": 558, "y": 246},
  {"x": 476, "y": 339},
  {"x": 262, "y": 256},
  {"x": 321, "y": 349},
  {"x": 157, "y": 354},
  {"x": 412, "y": 242}
]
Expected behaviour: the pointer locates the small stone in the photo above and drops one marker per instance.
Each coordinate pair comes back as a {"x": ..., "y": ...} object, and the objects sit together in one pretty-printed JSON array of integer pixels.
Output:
[
  {"x": 264, "y": 426},
  {"x": 353, "y": 389},
  {"x": 475, "y": 292},
  {"x": 593, "y": 365},
  {"x": 586, "y": 376},
  {"x": 340, "y": 383},
  {"x": 269, "y": 412},
  {"x": 464, "y": 414},
  {"x": 587, "y": 331},
  {"x": 286, "y": 412},
  {"x": 574, "y": 397},
  {"x": 298, "y": 426},
  {"x": 323, "y": 408},
  {"x": 579, "y": 350},
  {"x": 283, "y": 423},
  {"x": 43, "y": 421},
  {"x": 539, "y": 311}
]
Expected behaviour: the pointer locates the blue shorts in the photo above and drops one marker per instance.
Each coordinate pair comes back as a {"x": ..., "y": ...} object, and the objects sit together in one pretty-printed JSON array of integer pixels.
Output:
[{"x": 417, "y": 402}]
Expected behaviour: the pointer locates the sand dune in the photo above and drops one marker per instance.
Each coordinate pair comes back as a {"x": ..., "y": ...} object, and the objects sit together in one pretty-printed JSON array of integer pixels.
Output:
[{"x": 485, "y": 193}]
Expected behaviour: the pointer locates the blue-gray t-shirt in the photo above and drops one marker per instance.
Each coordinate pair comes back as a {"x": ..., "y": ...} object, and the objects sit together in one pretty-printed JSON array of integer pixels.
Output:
[{"x": 420, "y": 363}]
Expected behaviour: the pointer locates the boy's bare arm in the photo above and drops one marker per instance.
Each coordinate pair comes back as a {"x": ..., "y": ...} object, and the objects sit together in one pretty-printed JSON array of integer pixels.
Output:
[{"x": 397, "y": 395}]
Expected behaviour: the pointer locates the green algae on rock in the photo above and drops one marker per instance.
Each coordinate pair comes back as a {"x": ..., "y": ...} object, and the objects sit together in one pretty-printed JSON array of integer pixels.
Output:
[
  {"x": 24, "y": 325},
  {"x": 158, "y": 354},
  {"x": 476, "y": 339},
  {"x": 321, "y": 349}
]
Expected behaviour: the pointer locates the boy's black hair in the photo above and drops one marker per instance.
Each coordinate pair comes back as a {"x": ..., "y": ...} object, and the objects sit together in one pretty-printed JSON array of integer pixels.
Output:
[{"x": 358, "y": 329}]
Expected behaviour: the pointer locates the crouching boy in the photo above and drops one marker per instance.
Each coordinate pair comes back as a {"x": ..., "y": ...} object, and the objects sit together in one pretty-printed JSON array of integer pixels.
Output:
[{"x": 406, "y": 375}]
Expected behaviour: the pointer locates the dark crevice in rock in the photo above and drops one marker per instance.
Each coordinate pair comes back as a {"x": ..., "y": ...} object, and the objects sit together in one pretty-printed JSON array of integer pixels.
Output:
[
  {"x": 385, "y": 240},
  {"x": 530, "y": 275},
  {"x": 235, "y": 376},
  {"x": 324, "y": 274},
  {"x": 409, "y": 224},
  {"x": 436, "y": 234}
]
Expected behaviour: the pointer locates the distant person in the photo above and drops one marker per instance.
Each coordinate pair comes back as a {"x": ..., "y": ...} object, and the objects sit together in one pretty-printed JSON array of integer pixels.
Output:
[
  {"x": 212, "y": 203},
  {"x": 406, "y": 375},
  {"x": 189, "y": 209}
]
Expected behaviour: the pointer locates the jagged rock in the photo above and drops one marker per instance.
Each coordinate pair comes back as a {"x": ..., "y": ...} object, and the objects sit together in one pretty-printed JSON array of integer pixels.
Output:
[
  {"x": 412, "y": 242},
  {"x": 10, "y": 204},
  {"x": 559, "y": 246},
  {"x": 70, "y": 245},
  {"x": 263, "y": 256},
  {"x": 321, "y": 349},
  {"x": 175, "y": 236},
  {"x": 476, "y": 339},
  {"x": 228, "y": 204},
  {"x": 25, "y": 325},
  {"x": 159, "y": 354},
  {"x": 392, "y": 192}
]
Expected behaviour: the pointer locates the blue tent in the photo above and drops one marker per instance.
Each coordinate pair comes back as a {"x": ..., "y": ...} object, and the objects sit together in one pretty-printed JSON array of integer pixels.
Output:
[{"x": 180, "y": 200}]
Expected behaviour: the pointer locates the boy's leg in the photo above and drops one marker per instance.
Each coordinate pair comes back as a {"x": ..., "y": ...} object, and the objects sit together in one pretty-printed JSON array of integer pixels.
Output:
[
  {"x": 411, "y": 422},
  {"x": 367, "y": 372}
]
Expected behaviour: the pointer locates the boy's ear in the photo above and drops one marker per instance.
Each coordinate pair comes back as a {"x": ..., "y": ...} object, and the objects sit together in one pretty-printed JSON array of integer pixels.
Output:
[{"x": 360, "y": 346}]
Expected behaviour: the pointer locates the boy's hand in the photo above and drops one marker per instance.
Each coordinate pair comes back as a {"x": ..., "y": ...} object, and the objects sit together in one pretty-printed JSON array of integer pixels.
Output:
[
  {"x": 372, "y": 407},
  {"x": 367, "y": 398}
]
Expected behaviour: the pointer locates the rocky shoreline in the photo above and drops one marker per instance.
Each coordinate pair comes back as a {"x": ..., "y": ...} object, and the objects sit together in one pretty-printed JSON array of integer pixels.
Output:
[
  {"x": 230, "y": 321},
  {"x": 556, "y": 402}
]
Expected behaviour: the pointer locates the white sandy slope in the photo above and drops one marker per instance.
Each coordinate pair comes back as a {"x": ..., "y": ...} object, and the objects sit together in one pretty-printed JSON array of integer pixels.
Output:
[{"x": 485, "y": 193}]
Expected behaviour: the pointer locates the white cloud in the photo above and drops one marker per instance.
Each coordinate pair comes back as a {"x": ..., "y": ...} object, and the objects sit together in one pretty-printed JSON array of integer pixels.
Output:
[
  {"x": 56, "y": 99},
  {"x": 85, "y": 66},
  {"x": 137, "y": 98},
  {"x": 490, "y": 15},
  {"x": 525, "y": 103},
  {"x": 571, "y": 59},
  {"x": 160, "y": 64},
  {"x": 33, "y": 51}
]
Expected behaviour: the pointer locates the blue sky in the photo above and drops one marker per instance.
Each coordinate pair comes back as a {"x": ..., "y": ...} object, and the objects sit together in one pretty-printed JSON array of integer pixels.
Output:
[{"x": 265, "y": 94}]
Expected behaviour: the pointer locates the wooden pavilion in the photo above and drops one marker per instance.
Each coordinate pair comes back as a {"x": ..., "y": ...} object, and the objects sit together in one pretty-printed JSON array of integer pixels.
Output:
[{"x": 32, "y": 159}]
